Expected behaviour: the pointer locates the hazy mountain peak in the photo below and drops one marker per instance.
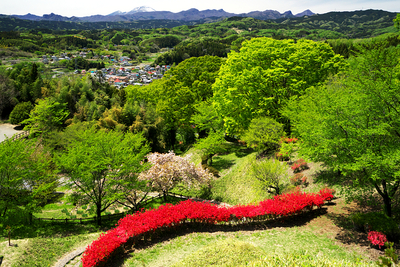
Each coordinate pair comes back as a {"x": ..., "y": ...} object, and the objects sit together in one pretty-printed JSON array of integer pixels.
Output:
[
  {"x": 133, "y": 11},
  {"x": 141, "y": 9},
  {"x": 116, "y": 13}
]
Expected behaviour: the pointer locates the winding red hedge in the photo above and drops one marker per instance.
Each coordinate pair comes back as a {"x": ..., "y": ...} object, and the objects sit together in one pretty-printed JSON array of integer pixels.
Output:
[{"x": 190, "y": 211}]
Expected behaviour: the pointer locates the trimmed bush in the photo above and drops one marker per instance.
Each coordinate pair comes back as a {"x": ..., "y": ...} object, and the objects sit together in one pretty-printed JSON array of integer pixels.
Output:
[
  {"x": 133, "y": 227},
  {"x": 377, "y": 221}
]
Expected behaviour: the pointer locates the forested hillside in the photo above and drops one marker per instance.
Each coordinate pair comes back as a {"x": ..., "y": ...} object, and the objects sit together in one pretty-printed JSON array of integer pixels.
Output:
[{"x": 240, "y": 111}]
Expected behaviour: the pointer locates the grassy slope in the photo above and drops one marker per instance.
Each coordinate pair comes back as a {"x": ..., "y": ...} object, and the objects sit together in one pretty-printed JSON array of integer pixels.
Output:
[
  {"x": 234, "y": 186},
  {"x": 41, "y": 251},
  {"x": 273, "y": 243},
  {"x": 307, "y": 243}
]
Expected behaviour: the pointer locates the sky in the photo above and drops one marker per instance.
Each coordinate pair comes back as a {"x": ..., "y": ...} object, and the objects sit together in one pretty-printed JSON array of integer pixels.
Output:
[{"x": 81, "y": 8}]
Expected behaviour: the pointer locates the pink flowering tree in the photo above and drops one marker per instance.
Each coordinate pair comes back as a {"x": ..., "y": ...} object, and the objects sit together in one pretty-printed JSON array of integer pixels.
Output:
[{"x": 168, "y": 170}]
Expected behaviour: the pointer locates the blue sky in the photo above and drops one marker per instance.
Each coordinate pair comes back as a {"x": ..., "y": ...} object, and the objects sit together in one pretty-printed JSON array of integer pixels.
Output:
[{"x": 86, "y": 8}]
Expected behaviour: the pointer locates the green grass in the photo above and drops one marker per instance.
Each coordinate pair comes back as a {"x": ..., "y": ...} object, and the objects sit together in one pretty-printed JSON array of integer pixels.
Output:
[
  {"x": 236, "y": 185},
  {"x": 275, "y": 243},
  {"x": 227, "y": 252},
  {"x": 41, "y": 251}
]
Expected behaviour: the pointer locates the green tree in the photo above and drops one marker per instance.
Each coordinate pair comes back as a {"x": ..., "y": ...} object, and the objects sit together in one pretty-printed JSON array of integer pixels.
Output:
[
  {"x": 26, "y": 178},
  {"x": 397, "y": 21},
  {"x": 102, "y": 166},
  {"x": 8, "y": 94},
  {"x": 177, "y": 95},
  {"x": 211, "y": 145},
  {"x": 272, "y": 174},
  {"x": 352, "y": 124},
  {"x": 263, "y": 134},
  {"x": 47, "y": 115},
  {"x": 20, "y": 112},
  {"x": 260, "y": 79}
]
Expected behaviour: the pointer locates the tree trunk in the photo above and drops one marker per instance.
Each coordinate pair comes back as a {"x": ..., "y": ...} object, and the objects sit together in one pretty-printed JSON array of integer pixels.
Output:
[
  {"x": 98, "y": 212},
  {"x": 387, "y": 202},
  {"x": 165, "y": 194}
]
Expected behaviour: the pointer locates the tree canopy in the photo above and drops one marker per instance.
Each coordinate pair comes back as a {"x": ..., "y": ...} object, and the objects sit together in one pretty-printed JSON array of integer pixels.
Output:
[
  {"x": 260, "y": 79},
  {"x": 102, "y": 165},
  {"x": 26, "y": 177},
  {"x": 352, "y": 124}
]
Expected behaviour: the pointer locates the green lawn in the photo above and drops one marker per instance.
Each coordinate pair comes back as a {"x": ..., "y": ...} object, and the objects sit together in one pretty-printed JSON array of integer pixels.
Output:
[{"x": 271, "y": 243}]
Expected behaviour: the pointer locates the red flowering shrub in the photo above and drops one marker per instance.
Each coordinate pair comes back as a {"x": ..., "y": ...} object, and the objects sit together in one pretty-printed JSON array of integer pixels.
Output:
[
  {"x": 299, "y": 166},
  {"x": 327, "y": 194},
  {"x": 298, "y": 179},
  {"x": 377, "y": 238},
  {"x": 289, "y": 140},
  {"x": 169, "y": 215},
  {"x": 282, "y": 156}
]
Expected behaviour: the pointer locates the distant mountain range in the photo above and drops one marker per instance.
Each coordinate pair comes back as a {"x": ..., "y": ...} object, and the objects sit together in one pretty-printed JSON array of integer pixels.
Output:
[{"x": 148, "y": 13}]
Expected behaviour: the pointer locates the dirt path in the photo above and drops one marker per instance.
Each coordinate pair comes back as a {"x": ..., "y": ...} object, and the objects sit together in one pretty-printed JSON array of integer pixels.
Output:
[{"x": 8, "y": 130}]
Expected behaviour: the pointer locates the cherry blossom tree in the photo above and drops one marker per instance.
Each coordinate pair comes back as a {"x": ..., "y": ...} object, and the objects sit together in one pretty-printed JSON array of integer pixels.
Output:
[{"x": 168, "y": 170}]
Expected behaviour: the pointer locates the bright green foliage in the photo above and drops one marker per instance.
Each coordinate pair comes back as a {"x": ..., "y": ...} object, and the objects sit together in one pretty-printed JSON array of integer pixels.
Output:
[
  {"x": 352, "y": 124},
  {"x": 102, "y": 166},
  {"x": 177, "y": 94},
  {"x": 397, "y": 21},
  {"x": 207, "y": 118},
  {"x": 259, "y": 80},
  {"x": 263, "y": 134},
  {"x": 390, "y": 258},
  {"x": 47, "y": 115},
  {"x": 184, "y": 86},
  {"x": 26, "y": 178},
  {"x": 20, "y": 112},
  {"x": 211, "y": 145},
  {"x": 272, "y": 174}
]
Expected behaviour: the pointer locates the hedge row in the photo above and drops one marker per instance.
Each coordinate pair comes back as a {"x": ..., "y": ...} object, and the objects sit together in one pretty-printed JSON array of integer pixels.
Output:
[{"x": 140, "y": 223}]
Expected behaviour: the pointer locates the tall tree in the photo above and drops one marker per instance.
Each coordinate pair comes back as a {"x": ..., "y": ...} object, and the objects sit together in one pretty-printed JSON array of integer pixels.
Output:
[
  {"x": 260, "y": 79},
  {"x": 46, "y": 116},
  {"x": 353, "y": 125},
  {"x": 8, "y": 94},
  {"x": 101, "y": 165},
  {"x": 26, "y": 177}
]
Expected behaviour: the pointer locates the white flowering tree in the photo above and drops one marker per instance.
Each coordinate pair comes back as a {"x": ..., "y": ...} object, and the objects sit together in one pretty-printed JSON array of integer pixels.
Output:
[{"x": 168, "y": 170}]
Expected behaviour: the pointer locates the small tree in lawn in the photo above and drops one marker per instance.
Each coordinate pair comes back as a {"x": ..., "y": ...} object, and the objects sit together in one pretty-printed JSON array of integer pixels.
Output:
[
  {"x": 168, "y": 170},
  {"x": 211, "y": 145},
  {"x": 263, "y": 134},
  {"x": 270, "y": 173}
]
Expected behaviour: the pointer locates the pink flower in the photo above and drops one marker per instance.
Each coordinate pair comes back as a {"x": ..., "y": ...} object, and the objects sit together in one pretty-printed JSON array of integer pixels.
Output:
[{"x": 377, "y": 238}]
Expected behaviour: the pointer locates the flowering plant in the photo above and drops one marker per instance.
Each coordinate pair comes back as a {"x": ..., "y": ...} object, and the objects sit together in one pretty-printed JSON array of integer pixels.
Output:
[
  {"x": 299, "y": 179},
  {"x": 288, "y": 140},
  {"x": 171, "y": 216},
  {"x": 377, "y": 238},
  {"x": 285, "y": 151},
  {"x": 299, "y": 166}
]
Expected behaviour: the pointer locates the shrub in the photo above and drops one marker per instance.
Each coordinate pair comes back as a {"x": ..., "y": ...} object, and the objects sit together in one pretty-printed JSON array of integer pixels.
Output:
[
  {"x": 299, "y": 166},
  {"x": 288, "y": 140},
  {"x": 282, "y": 156},
  {"x": 327, "y": 193},
  {"x": 299, "y": 179},
  {"x": 20, "y": 112},
  {"x": 135, "y": 226},
  {"x": 263, "y": 134},
  {"x": 377, "y": 238},
  {"x": 377, "y": 221},
  {"x": 285, "y": 151}
]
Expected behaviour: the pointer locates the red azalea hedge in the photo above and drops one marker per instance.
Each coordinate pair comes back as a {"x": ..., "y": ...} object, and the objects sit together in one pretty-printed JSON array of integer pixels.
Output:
[{"x": 189, "y": 211}]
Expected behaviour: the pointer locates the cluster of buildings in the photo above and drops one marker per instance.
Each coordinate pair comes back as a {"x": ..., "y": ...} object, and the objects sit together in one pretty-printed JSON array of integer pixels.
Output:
[{"x": 122, "y": 77}]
